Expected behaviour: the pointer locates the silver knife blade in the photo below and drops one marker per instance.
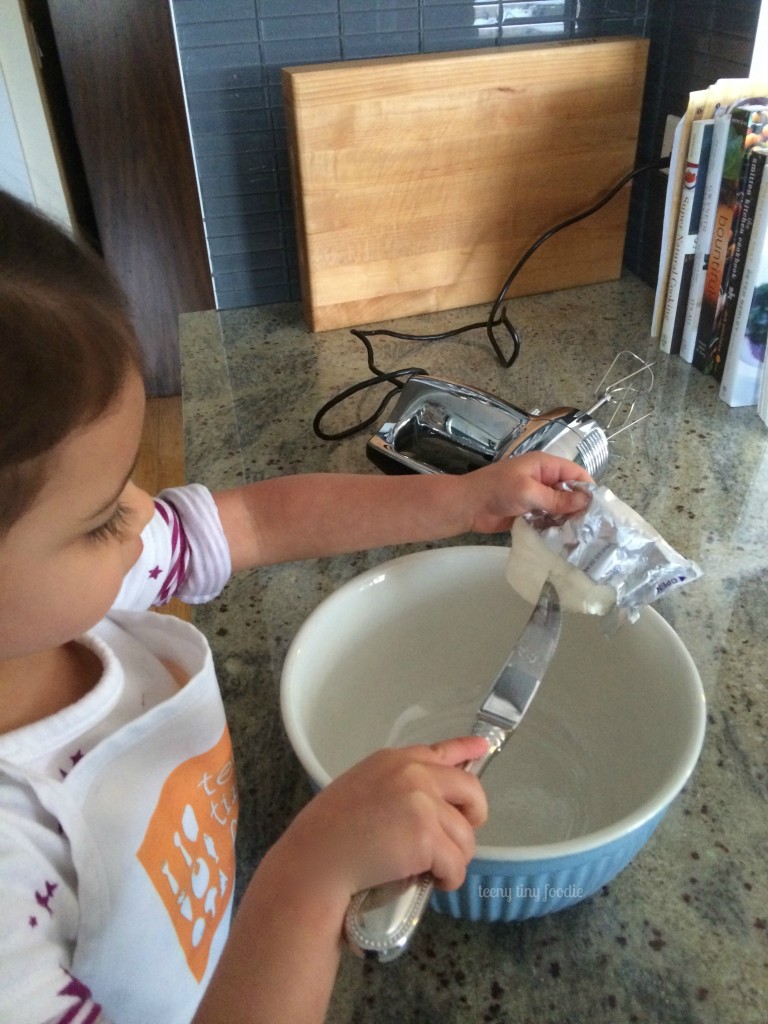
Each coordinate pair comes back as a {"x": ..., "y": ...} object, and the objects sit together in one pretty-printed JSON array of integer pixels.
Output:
[{"x": 515, "y": 686}]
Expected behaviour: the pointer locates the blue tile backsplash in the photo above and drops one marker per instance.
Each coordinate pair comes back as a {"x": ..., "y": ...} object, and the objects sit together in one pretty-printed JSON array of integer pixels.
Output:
[{"x": 231, "y": 53}]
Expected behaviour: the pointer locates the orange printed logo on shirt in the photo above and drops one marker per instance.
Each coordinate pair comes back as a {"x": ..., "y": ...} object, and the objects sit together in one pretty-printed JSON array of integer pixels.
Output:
[{"x": 189, "y": 848}]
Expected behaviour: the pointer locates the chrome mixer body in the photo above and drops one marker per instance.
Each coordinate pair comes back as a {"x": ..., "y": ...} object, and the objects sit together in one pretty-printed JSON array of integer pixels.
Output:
[{"x": 439, "y": 426}]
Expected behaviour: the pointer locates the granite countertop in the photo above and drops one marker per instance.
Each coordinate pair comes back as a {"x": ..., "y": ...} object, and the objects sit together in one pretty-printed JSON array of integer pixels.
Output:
[{"x": 682, "y": 934}]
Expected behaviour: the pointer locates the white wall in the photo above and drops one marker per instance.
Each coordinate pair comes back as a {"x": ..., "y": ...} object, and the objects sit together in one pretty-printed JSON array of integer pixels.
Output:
[
  {"x": 14, "y": 176},
  {"x": 29, "y": 165}
]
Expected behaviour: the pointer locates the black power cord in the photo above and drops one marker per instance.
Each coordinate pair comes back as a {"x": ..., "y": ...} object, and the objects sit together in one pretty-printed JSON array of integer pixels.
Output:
[{"x": 497, "y": 318}]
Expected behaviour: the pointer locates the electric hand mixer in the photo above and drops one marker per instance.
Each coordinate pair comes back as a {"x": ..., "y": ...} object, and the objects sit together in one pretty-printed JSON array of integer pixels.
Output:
[{"x": 439, "y": 426}]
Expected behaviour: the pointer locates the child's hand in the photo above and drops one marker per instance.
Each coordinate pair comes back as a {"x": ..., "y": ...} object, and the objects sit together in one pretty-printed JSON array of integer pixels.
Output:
[
  {"x": 398, "y": 813},
  {"x": 498, "y": 493}
]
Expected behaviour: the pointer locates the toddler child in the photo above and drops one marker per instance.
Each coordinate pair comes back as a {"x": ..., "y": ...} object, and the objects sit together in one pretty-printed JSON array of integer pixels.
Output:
[{"x": 118, "y": 802}]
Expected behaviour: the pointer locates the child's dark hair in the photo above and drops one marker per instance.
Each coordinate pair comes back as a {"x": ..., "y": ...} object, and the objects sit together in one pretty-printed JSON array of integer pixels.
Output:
[{"x": 66, "y": 346}]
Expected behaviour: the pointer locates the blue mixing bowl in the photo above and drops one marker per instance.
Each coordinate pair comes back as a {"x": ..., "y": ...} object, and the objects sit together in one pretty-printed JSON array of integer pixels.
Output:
[{"x": 405, "y": 653}]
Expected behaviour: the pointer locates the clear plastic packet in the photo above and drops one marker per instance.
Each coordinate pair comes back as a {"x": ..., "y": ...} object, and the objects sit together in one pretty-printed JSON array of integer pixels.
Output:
[{"x": 615, "y": 548}]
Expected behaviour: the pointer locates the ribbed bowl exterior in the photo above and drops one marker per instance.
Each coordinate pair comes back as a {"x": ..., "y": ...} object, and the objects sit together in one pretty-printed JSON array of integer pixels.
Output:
[{"x": 499, "y": 890}]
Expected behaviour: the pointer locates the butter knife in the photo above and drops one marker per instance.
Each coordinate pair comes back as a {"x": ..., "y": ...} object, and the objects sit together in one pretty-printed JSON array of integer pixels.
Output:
[{"x": 381, "y": 921}]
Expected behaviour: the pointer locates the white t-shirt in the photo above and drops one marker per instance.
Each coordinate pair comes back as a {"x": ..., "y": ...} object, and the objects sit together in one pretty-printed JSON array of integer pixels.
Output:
[{"x": 118, "y": 814}]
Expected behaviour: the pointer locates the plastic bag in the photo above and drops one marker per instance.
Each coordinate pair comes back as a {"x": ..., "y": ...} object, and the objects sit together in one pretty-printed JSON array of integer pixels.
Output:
[{"x": 616, "y": 549}]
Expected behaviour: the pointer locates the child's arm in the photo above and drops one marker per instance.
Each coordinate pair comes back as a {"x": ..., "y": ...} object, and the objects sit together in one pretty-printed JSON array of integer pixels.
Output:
[
  {"x": 396, "y": 814},
  {"x": 311, "y": 515}
]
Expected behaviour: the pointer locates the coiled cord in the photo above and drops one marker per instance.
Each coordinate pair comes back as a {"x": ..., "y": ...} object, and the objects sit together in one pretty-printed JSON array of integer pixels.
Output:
[{"x": 497, "y": 318}]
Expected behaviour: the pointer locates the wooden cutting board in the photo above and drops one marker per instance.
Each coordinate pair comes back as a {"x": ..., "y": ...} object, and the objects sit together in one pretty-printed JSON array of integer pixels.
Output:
[{"x": 419, "y": 181}]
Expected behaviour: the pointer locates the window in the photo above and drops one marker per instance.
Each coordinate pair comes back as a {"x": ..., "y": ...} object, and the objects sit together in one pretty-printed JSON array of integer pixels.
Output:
[{"x": 519, "y": 19}]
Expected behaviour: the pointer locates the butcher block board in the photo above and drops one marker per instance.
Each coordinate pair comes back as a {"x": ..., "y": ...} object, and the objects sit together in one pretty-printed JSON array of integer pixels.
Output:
[{"x": 419, "y": 181}]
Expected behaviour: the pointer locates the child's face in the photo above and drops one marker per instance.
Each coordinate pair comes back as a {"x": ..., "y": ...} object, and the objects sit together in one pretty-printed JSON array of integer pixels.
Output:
[{"x": 62, "y": 563}]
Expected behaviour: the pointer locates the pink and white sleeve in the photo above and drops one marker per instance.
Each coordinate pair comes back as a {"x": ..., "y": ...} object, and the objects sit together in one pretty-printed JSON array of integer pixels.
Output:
[{"x": 185, "y": 554}]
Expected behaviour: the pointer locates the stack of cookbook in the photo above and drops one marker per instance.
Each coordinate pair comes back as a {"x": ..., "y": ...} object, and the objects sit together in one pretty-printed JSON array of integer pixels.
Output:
[{"x": 711, "y": 304}]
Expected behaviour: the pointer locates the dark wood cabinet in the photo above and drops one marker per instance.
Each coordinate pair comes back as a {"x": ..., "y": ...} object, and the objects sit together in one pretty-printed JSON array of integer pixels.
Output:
[{"x": 130, "y": 167}]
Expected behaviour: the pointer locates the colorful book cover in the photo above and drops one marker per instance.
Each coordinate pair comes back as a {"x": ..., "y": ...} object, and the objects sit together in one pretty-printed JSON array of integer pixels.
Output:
[
  {"x": 745, "y": 131},
  {"x": 681, "y": 269},
  {"x": 711, "y": 102},
  {"x": 726, "y": 310},
  {"x": 745, "y": 360}
]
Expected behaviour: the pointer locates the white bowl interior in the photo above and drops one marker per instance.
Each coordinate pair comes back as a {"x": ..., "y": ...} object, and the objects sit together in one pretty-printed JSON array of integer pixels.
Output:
[{"x": 405, "y": 653}]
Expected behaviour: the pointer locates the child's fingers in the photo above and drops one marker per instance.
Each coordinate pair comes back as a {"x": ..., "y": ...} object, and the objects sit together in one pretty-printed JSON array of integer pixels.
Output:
[
  {"x": 563, "y": 503},
  {"x": 552, "y": 469},
  {"x": 449, "y": 871},
  {"x": 461, "y": 790},
  {"x": 459, "y": 749}
]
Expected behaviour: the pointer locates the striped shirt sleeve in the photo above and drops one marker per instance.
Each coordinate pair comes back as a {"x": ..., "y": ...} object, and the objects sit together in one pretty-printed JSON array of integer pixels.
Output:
[{"x": 185, "y": 554}]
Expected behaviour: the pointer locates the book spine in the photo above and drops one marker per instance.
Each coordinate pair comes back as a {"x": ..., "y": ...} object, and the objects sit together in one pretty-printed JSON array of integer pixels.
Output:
[
  {"x": 734, "y": 272},
  {"x": 727, "y": 212},
  {"x": 685, "y": 238},
  {"x": 704, "y": 241},
  {"x": 697, "y": 102},
  {"x": 693, "y": 236},
  {"x": 743, "y": 367}
]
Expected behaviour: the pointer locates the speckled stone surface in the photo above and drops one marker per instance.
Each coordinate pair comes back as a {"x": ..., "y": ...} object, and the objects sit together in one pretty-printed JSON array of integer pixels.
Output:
[{"x": 681, "y": 936}]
